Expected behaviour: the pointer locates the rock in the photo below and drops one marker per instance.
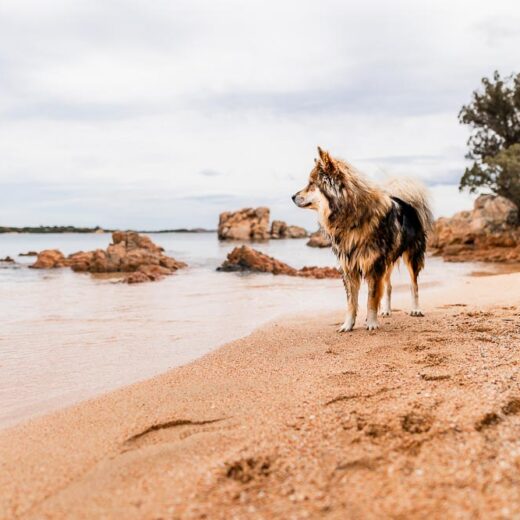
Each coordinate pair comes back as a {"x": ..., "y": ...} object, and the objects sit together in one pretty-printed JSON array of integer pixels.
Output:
[
  {"x": 296, "y": 232},
  {"x": 489, "y": 232},
  {"x": 253, "y": 224},
  {"x": 318, "y": 239},
  {"x": 279, "y": 229},
  {"x": 29, "y": 253},
  {"x": 147, "y": 273},
  {"x": 50, "y": 259},
  {"x": 132, "y": 240},
  {"x": 245, "y": 224},
  {"x": 320, "y": 272},
  {"x": 129, "y": 252},
  {"x": 7, "y": 260},
  {"x": 80, "y": 261},
  {"x": 100, "y": 263},
  {"x": 245, "y": 258},
  {"x": 137, "y": 277},
  {"x": 494, "y": 213}
]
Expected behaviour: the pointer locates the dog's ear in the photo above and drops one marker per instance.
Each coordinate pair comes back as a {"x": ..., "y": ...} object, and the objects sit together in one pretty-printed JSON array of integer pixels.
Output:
[
  {"x": 323, "y": 155},
  {"x": 327, "y": 161}
]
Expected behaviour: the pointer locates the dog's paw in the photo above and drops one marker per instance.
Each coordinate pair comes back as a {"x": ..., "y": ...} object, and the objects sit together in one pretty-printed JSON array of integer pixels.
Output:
[
  {"x": 347, "y": 326},
  {"x": 372, "y": 325},
  {"x": 416, "y": 313},
  {"x": 386, "y": 312}
]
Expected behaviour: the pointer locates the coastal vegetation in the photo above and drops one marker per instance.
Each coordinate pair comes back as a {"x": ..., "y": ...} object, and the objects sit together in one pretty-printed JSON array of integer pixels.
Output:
[
  {"x": 494, "y": 145},
  {"x": 96, "y": 229},
  {"x": 50, "y": 229},
  {"x": 491, "y": 231}
]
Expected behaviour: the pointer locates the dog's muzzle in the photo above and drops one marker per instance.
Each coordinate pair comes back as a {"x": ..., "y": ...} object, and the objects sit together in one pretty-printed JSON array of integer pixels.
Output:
[{"x": 298, "y": 200}]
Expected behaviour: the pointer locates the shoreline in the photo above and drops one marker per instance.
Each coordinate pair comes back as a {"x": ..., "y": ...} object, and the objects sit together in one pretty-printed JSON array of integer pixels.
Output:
[
  {"x": 21, "y": 412},
  {"x": 297, "y": 419}
]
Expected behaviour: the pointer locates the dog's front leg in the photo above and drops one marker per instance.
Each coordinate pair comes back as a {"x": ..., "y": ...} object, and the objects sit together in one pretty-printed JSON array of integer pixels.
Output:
[
  {"x": 351, "y": 281},
  {"x": 375, "y": 291}
]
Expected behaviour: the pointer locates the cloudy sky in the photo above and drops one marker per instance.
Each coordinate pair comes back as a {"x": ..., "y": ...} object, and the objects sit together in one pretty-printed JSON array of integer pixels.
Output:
[{"x": 161, "y": 114}]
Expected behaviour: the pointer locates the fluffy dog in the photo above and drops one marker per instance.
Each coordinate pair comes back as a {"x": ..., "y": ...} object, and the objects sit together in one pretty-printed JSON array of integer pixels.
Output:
[{"x": 370, "y": 229}]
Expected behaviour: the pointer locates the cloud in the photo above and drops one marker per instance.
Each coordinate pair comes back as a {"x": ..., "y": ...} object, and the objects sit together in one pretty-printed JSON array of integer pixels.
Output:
[
  {"x": 144, "y": 108},
  {"x": 208, "y": 172},
  {"x": 403, "y": 159}
]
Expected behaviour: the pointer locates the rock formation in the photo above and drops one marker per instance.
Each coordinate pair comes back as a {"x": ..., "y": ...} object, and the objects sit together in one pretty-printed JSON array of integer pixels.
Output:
[
  {"x": 319, "y": 272},
  {"x": 50, "y": 259},
  {"x": 129, "y": 253},
  {"x": 296, "y": 232},
  {"x": 318, "y": 239},
  {"x": 490, "y": 232},
  {"x": 253, "y": 224},
  {"x": 29, "y": 253},
  {"x": 279, "y": 229},
  {"x": 245, "y": 224},
  {"x": 245, "y": 258},
  {"x": 7, "y": 260}
]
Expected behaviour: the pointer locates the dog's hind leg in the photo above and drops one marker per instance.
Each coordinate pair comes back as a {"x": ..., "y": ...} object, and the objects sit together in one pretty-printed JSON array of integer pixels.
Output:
[
  {"x": 375, "y": 292},
  {"x": 351, "y": 281},
  {"x": 414, "y": 266},
  {"x": 387, "y": 301}
]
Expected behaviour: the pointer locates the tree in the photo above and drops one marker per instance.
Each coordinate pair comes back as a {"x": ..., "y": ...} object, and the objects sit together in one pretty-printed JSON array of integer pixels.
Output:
[{"x": 494, "y": 146}]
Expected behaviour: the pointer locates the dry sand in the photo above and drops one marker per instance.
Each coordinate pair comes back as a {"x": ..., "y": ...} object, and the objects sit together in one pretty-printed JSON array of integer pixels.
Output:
[{"x": 420, "y": 419}]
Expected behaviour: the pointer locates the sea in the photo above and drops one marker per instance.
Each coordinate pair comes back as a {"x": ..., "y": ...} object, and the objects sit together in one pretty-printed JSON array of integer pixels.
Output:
[{"x": 66, "y": 337}]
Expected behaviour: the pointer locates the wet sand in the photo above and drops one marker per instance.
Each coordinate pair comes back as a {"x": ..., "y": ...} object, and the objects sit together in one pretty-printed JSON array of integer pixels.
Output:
[{"x": 420, "y": 419}]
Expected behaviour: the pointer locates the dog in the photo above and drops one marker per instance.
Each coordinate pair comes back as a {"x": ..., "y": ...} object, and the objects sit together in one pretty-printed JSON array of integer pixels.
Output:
[{"x": 370, "y": 229}]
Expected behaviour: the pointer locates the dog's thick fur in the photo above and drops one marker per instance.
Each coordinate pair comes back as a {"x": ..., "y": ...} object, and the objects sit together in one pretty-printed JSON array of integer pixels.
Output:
[{"x": 370, "y": 229}]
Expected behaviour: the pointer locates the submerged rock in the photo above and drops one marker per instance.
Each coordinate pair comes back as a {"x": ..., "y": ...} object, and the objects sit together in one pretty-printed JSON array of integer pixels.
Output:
[
  {"x": 489, "y": 232},
  {"x": 245, "y": 224},
  {"x": 245, "y": 258}
]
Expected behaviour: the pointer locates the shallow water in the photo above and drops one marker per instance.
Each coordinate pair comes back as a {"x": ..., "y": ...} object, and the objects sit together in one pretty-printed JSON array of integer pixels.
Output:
[{"x": 65, "y": 337}]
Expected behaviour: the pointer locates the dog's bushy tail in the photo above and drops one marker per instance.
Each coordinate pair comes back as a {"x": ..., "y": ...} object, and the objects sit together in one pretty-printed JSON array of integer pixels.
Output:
[{"x": 416, "y": 194}]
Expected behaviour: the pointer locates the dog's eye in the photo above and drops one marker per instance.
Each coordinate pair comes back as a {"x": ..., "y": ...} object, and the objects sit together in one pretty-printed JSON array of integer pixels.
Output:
[{"x": 325, "y": 179}]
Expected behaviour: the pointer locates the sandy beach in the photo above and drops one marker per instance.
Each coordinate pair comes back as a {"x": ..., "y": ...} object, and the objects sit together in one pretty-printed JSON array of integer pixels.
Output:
[{"x": 420, "y": 419}]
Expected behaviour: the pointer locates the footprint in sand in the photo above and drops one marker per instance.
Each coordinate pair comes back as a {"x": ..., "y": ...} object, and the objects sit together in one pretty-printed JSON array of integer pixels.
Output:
[{"x": 169, "y": 431}]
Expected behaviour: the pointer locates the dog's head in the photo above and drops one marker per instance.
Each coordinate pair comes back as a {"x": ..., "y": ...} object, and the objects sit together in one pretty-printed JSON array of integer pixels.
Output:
[{"x": 325, "y": 185}]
